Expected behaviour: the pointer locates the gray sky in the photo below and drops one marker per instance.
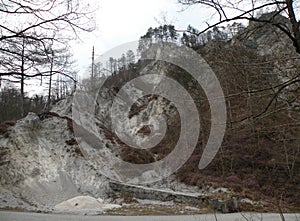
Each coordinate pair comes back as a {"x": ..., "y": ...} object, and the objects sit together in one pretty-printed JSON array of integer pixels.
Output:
[{"x": 122, "y": 21}]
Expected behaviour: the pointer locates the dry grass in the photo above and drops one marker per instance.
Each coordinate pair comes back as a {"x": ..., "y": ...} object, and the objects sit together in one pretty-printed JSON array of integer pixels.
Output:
[{"x": 177, "y": 209}]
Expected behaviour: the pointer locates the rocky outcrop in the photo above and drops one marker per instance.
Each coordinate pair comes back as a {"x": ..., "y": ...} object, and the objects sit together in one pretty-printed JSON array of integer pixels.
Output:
[
  {"x": 225, "y": 206},
  {"x": 40, "y": 168},
  {"x": 40, "y": 155}
]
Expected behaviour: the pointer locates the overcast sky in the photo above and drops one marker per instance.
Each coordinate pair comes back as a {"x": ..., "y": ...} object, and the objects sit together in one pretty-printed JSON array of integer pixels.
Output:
[{"x": 122, "y": 21}]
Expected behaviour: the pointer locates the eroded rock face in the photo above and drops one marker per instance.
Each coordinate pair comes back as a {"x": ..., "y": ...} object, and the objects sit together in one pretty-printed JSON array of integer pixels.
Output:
[
  {"x": 45, "y": 165},
  {"x": 99, "y": 134},
  {"x": 41, "y": 162},
  {"x": 42, "y": 168}
]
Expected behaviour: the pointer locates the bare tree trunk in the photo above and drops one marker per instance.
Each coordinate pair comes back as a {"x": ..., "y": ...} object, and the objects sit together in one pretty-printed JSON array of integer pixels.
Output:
[
  {"x": 22, "y": 96},
  {"x": 22, "y": 79},
  {"x": 93, "y": 64},
  {"x": 295, "y": 25},
  {"x": 50, "y": 83},
  {"x": 57, "y": 87}
]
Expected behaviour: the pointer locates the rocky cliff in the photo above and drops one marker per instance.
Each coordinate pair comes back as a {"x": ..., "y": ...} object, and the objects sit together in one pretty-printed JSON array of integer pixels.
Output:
[{"x": 41, "y": 164}]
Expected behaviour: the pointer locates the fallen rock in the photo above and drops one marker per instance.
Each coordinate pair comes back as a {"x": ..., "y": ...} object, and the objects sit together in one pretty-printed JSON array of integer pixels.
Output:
[{"x": 225, "y": 206}]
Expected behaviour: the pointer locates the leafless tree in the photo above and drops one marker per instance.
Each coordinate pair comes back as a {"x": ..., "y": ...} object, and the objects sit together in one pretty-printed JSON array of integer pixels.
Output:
[
  {"x": 30, "y": 31},
  {"x": 35, "y": 18},
  {"x": 40, "y": 23},
  {"x": 228, "y": 11}
]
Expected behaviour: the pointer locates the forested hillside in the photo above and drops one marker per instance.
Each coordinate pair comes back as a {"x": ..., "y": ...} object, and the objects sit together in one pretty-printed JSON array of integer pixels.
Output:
[{"x": 259, "y": 73}]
